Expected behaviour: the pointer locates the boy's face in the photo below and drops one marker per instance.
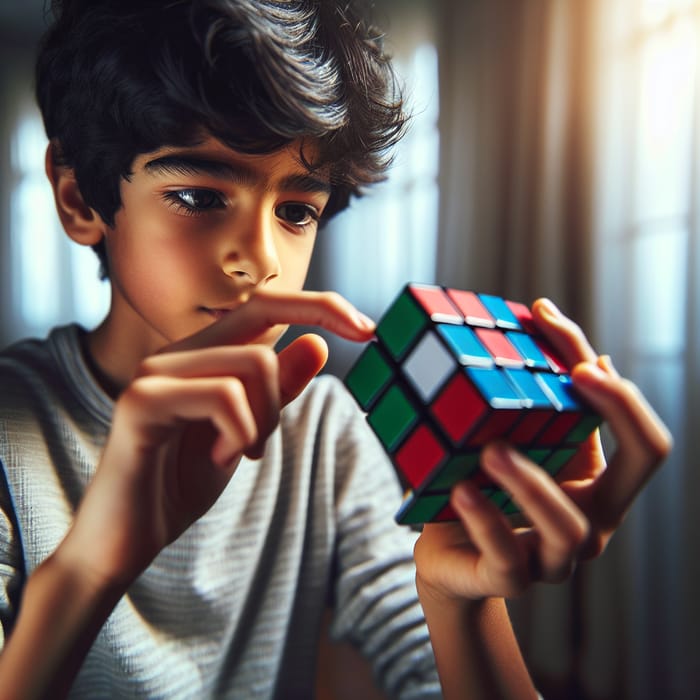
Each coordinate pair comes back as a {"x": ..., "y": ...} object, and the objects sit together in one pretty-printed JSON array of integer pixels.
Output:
[{"x": 199, "y": 230}]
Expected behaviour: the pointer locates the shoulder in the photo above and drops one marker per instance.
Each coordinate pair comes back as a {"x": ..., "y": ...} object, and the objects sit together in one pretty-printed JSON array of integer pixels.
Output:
[
  {"x": 36, "y": 357},
  {"x": 49, "y": 371},
  {"x": 24, "y": 363}
]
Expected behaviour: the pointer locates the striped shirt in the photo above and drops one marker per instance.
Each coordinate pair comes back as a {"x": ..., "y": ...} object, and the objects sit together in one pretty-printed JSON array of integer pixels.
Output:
[{"x": 232, "y": 608}]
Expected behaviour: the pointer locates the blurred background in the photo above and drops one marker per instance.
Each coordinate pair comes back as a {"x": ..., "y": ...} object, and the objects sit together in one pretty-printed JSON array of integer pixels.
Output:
[{"x": 554, "y": 151}]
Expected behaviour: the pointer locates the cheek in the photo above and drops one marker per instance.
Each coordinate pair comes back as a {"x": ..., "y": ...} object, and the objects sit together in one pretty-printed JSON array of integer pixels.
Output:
[
  {"x": 296, "y": 258},
  {"x": 153, "y": 261}
]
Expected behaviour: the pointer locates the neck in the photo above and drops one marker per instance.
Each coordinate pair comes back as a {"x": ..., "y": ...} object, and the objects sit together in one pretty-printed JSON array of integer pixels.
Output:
[{"x": 109, "y": 383}]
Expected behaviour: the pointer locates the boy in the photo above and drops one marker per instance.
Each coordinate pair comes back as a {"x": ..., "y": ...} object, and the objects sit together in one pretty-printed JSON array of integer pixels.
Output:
[{"x": 179, "y": 503}]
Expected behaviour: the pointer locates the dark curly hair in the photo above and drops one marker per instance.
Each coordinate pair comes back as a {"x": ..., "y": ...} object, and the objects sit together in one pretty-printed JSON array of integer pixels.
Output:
[{"x": 118, "y": 78}]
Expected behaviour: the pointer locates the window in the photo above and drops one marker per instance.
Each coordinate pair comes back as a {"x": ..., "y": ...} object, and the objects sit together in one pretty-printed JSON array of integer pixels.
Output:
[
  {"x": 648, "y": 246},
  {"x": 647, "y": 154},
  {"x": 389, "y": 237},
  {"x": 53, "y": 280}
]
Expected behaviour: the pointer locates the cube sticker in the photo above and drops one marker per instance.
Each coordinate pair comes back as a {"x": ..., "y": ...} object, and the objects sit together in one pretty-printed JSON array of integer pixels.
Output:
[
  {"x": 428, "y": 366},
  {"x": 451, "y": 370}
]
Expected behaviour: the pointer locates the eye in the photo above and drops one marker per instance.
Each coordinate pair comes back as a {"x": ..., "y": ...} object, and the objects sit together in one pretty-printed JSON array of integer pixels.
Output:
[
  {"x": 194, "y": 201},
  {"x": 298, "y": 214}
]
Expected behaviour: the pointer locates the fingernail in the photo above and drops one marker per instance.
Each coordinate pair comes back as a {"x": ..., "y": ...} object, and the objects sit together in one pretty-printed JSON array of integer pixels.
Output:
[
  {"x": 365, "y": 321},
  {"x": 605, "y": 362},
  {"x": 549, "y": 308}
]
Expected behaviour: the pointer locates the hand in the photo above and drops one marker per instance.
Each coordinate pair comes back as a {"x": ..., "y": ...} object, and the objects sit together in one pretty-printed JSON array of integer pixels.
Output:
[
  {"x": 180, "y": 428},
  {"x": 484, "y": 555}
]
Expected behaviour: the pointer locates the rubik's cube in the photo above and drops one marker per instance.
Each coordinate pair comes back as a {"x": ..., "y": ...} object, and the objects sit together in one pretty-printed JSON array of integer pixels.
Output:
[{"x": 451, "y": 370}]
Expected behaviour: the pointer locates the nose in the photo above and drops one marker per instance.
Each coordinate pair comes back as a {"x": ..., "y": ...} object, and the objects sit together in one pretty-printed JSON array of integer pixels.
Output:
[{"x": 251, "y": 253}]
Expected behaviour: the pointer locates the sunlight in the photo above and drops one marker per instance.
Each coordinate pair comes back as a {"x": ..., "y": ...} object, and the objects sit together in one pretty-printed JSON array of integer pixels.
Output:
[{"x": 665, "y": 126}]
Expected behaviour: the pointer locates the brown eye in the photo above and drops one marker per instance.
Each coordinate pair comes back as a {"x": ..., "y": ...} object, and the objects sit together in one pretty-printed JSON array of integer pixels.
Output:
[
  {"x": 193, "y": 201},
  {"x": 199, "y": 200},
  {"x": 297, "y": 214}
]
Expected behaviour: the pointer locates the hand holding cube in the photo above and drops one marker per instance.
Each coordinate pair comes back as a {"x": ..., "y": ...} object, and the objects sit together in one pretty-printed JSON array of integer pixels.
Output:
[{"x": 451, "y": 370}]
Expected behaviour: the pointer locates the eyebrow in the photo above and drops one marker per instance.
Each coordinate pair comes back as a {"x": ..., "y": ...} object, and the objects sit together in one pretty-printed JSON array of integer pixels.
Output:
[{"x": 238, "y": 173}]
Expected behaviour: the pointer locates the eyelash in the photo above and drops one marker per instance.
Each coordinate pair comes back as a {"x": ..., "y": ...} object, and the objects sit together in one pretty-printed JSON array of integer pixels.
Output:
[
  {"x": 175, "y": 199},
  {"x": 312, "y": 215}
]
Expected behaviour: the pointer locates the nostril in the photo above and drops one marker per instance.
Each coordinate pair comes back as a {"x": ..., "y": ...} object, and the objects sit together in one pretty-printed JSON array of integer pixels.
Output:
[{"x": 238, "y": 273}]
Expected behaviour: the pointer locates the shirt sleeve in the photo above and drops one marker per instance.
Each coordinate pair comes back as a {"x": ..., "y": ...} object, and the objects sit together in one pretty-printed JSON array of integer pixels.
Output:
[
  {"x": 11, "y": 565},
  {"x": 375, "y": 600}
]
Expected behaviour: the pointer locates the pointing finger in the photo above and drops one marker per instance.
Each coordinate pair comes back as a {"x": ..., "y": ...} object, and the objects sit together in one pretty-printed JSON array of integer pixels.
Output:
[{"x": 267, "y": 309}]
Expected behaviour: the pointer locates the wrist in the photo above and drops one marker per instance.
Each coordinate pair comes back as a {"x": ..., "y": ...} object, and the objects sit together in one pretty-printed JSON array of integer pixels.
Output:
[
  {"x": 475, "y": 649},
  {"x": 438, "y": 584},
  {"x": 94, "y": 576},
  {"x": 93, "y": 587},
  {"x": 63, "y": 608},
  {"x": 438, "y": 603}
]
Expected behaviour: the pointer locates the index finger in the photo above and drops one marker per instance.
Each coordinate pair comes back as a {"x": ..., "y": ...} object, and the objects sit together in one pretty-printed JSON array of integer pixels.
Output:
[
  {"x": 266, "y": 309},
  {"x": 566, "y": 336}
]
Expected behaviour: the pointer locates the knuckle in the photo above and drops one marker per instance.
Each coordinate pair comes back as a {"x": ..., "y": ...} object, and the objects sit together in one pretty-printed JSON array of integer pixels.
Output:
[
  {"x": 661, "y": 443},
  {"x": 264, "y": 360},
  {"x": 136, "y": 400},
  {"x": 655, "y": 438},
  {"x": 511, "y": 568},
  {"x": 137, "y": 392},
  {"x": 230, "y": 392},
  {"x": 232, "y": 401},
  {"x": 583, "y": 535},
  {"x": 333, "y": 301},
  {"x": 571, "y": 539},
  {"x": 579, "y": 533},
  {"x": 594, "y": 546},
  {"x": 333, "y": 298},
  {"x": 512, "y": 571},
  {"x": 148, "y": 367},
  {"x": 561, "y": 572},
  {"x": 249, "y": 436}
]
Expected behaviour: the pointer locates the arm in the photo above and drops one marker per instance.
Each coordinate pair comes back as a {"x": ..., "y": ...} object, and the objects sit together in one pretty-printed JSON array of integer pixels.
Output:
[
  {"x": 464, "y": 568},
  {"x": 475, "y": 648},
  {"x": 178, "y": 432},
  {"x": 61, "y": 613}
]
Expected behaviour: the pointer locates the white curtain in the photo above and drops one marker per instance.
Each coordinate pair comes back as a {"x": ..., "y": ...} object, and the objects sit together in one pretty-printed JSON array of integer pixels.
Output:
[
  {"x": 569, "y": 168},
  {"x": 647, "y": 233}
]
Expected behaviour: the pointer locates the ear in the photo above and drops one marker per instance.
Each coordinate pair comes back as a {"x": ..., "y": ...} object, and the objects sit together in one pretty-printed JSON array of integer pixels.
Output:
[{"x": 83, "y": 224}]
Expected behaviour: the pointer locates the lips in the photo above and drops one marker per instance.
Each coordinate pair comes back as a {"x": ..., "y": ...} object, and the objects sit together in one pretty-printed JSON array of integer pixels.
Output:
[{"x": 216, "y": 313}]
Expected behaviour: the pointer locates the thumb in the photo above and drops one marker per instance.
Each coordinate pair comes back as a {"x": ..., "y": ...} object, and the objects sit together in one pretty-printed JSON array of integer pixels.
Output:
[{"x": 299, "y": 363}]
